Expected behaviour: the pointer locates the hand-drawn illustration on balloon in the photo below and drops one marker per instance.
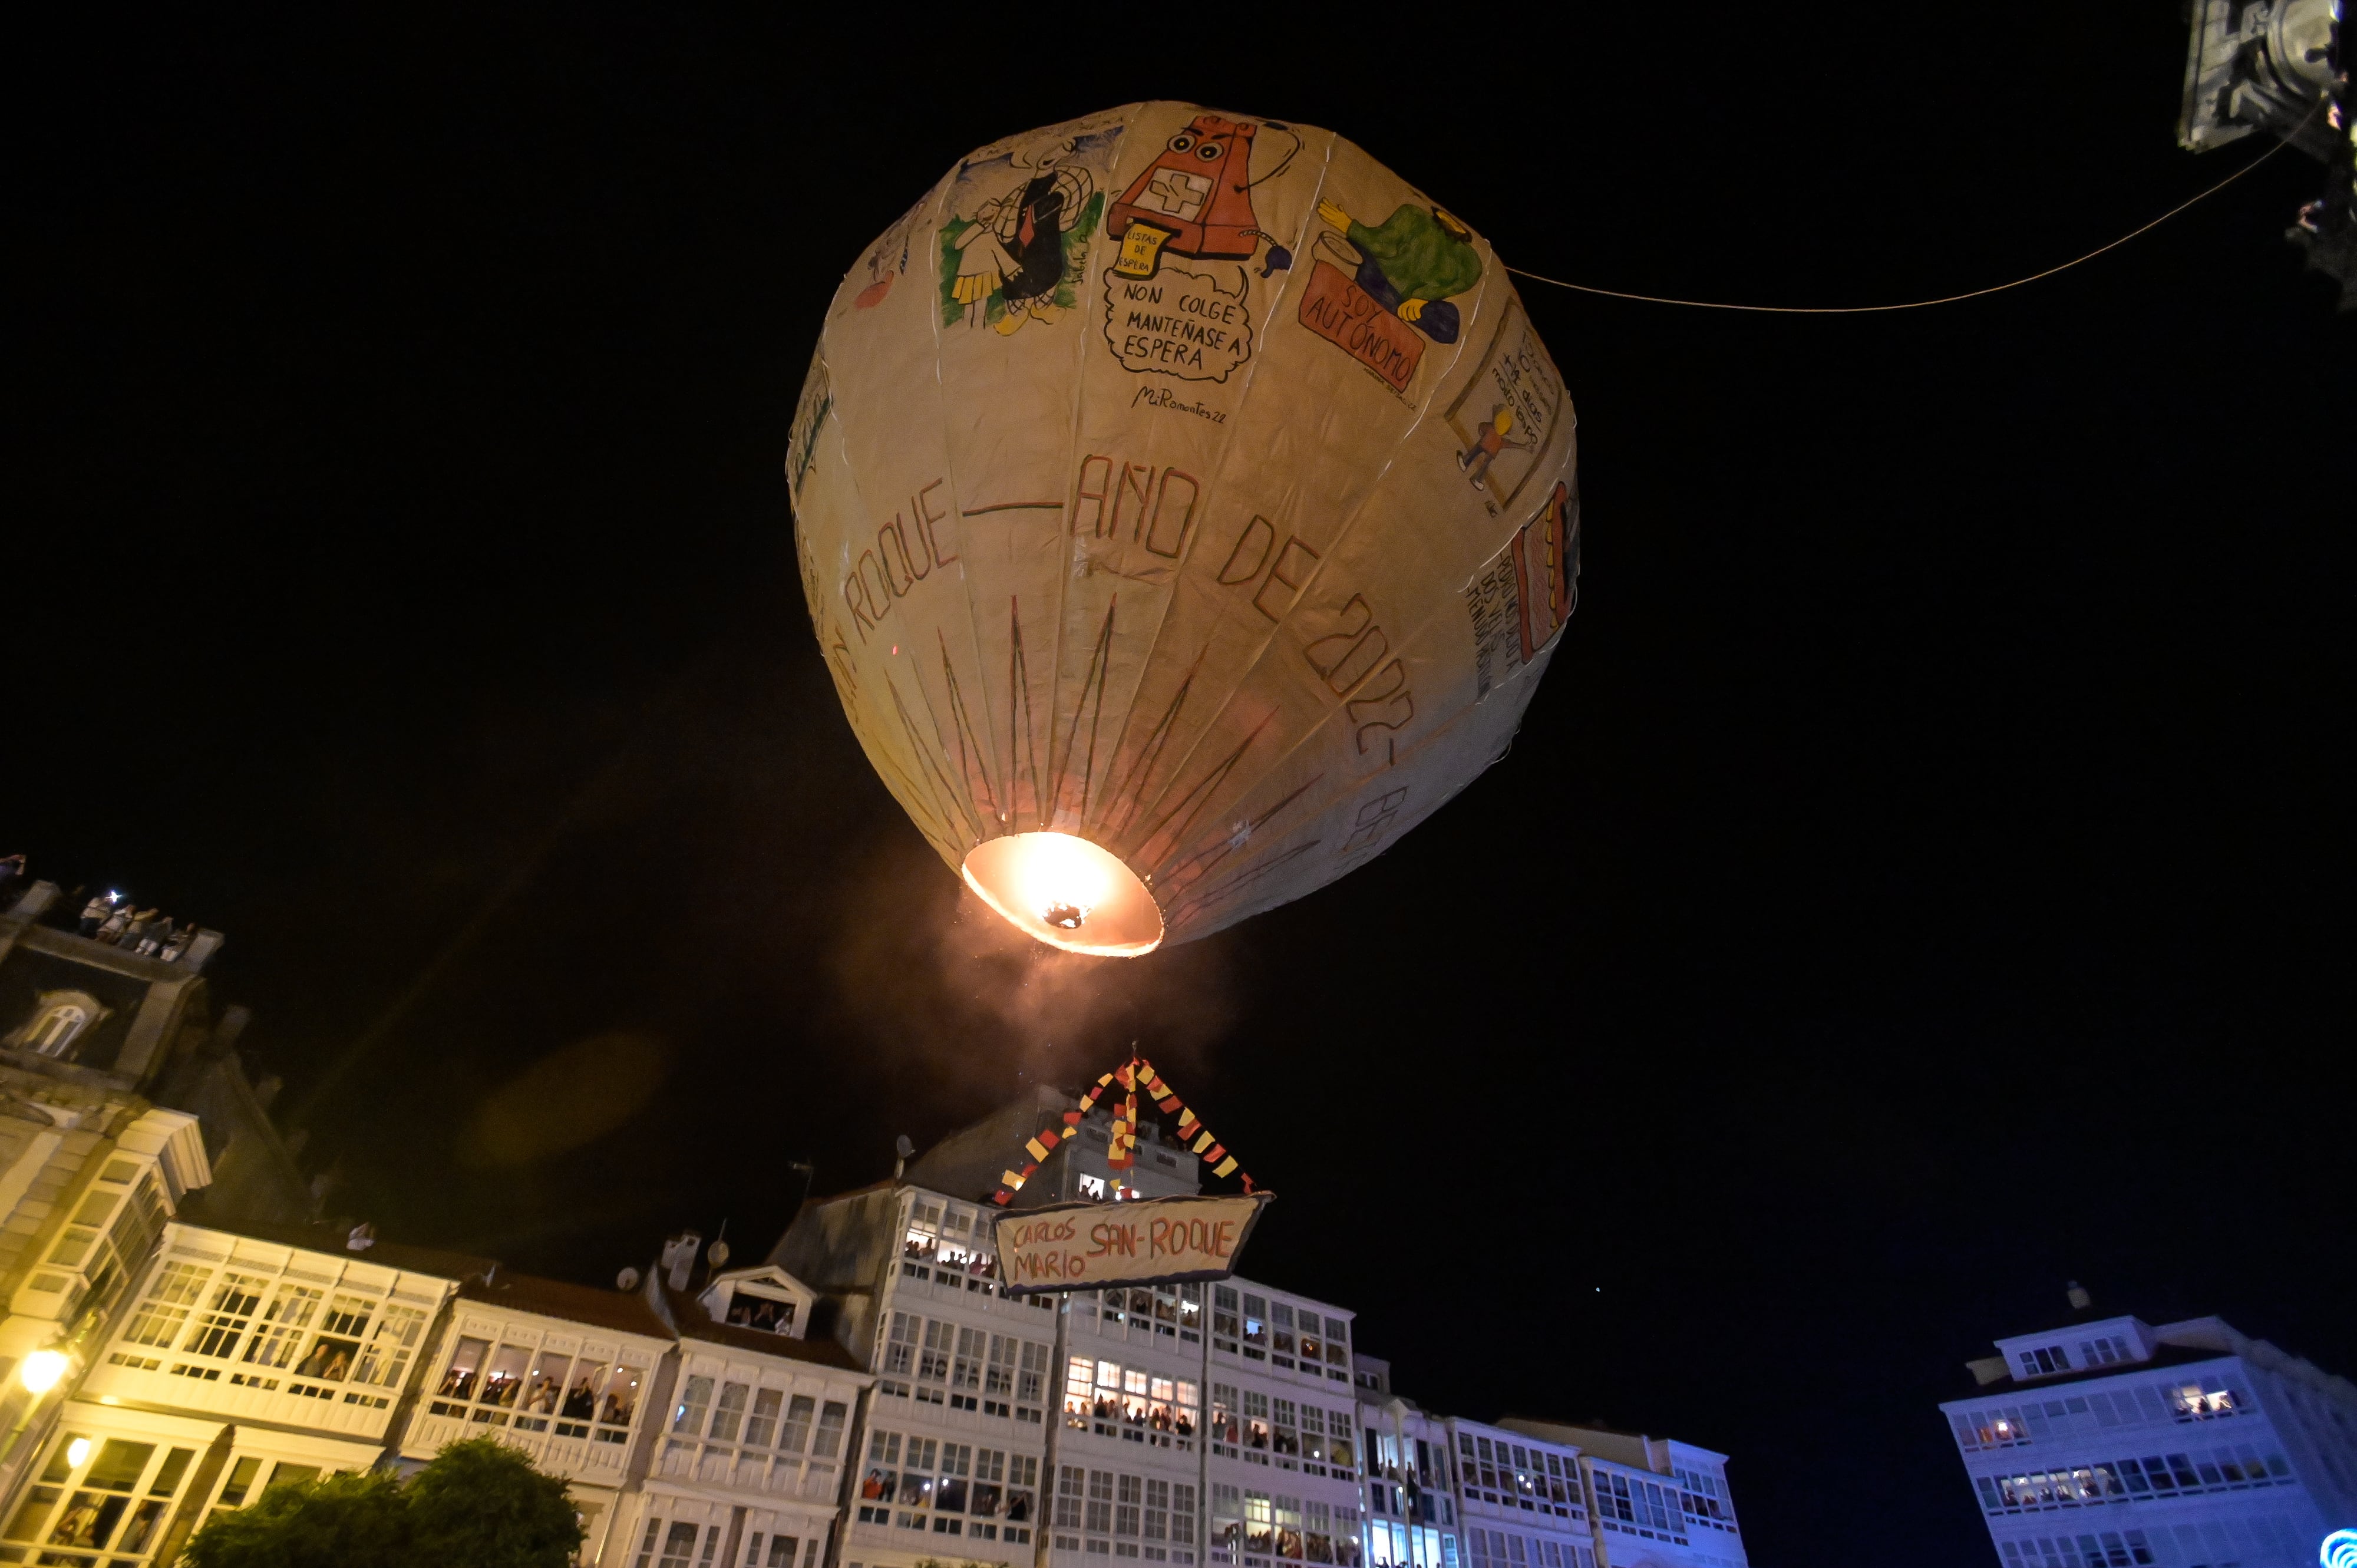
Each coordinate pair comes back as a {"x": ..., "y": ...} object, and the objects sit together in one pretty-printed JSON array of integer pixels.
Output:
[
  {"x": 1151, "y": 636},
  {"x": 1011, "y": 258}
]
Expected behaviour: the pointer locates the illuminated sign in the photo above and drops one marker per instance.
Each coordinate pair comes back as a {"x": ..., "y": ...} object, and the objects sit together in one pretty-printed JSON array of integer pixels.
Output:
[
  {"x": 1154, "y": 1241},
  {"x": 2339, "y": 1550}
]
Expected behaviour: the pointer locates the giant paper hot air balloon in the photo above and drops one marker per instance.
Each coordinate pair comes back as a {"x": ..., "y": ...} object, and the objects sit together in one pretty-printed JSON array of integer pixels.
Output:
[{"x": 1186, "y": 510}]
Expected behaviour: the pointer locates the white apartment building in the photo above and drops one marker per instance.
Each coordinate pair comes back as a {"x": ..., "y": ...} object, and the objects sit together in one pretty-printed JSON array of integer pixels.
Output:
[
  {"x": 751, "y": 1460},
  {"x": 1412, "y": 1507},
  {"x": 1654, "y": 1500},
  {"x": 244, "y": 1361},
  {"x": 1177, "y": 1424},
  {"x": 564, "y": 1372},
  {"x": 1523, "y": 1506},
  {"x": 1281, "y": 1469},
  {"x": 869, "y": 1396},
  {"x": 2114, "y": 1441},
  {"x": 1224, "y": 1425}
]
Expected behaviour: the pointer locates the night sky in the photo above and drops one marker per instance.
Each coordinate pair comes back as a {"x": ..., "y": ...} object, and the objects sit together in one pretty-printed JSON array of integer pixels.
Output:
[{"x": 1923, "y": 878}]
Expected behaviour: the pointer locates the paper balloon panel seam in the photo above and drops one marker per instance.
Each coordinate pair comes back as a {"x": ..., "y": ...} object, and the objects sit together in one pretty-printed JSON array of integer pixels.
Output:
[{"x": 1185, "y": 508}]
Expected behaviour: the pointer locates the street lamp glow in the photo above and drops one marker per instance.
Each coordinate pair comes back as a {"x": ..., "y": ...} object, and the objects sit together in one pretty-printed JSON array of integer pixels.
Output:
[
  {"x": 41, "y": 1371},
  {"x": 1066, "y": 892},
  {"x": 77, "y": 1451}
]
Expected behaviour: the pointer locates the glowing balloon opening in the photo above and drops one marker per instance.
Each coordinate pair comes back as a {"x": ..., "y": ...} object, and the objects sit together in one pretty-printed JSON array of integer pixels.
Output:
[{"x": 1066, "y": 892}]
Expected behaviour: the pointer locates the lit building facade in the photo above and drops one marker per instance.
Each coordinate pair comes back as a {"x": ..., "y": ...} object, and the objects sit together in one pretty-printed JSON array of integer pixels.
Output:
[
  {"x": 751, "y": 1454},
  {"x": 1231, "y": 1425},
  {"x": 570, "y": 1375},
  {"x": 1522, "y": 1499},
  {"x": 869, "y": 1396},
  {"x": 2183, "y": 1445},
  {"x": 1651, "y": 1500},
  {"x": 242, "y": 1361},
  {"x": 123, "y": 1106}
]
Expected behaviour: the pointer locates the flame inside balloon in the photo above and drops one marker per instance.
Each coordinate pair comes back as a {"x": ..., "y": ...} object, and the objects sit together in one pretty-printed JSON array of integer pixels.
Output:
[{"x": 1066, "y": 892}]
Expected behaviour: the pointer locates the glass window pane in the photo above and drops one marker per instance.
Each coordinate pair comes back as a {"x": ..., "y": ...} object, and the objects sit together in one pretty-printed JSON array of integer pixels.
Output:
[
  {"x": 119, "y": 1466},
  {"x": 465, "y": 1365},
  {"x": 503, "y": 1375}
]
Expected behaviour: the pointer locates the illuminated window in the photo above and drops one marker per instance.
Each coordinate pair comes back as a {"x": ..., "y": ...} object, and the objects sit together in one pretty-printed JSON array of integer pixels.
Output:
[
  {"x": 1341, "y": 1452},
  {"x": 229, "y": 1314},
  {"x": 384, "y": 1359},
  {"x": 755, "y": 1309},
  {"x": 1287, "y": 1534},
  {"x": 2202, "y": 1400},
  {"x": 284, "y": 1326},
  {"x": 506, "y": 1383},
  {"x": 1260, "y": 1523},
  {"x": 1317, "y": 1532},
  {"x": 177, "y": 1289},
  {"x": 1255, "y": 1327}
]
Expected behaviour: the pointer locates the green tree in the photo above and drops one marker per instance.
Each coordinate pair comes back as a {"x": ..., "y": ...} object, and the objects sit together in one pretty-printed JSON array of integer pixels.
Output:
[
  {"x": 343, "y": 1521},
  {"x": 479, "y": 1505}
]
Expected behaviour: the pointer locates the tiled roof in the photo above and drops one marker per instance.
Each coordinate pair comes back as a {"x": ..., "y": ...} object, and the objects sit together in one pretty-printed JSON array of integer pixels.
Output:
[
  {"x": 625, "y": 1311},
  {"x": 2163, "y": 1356},
  {"x": 336, "y": 1240},
  {"x": 694, "y": 1323}
]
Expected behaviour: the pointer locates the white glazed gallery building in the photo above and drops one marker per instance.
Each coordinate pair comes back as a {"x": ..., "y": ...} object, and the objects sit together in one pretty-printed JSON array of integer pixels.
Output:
[
  {"x": 1230, "y": 1424},
  {"x": 869, "y": 1396},
  {"x": 2112, "y": 1443}
]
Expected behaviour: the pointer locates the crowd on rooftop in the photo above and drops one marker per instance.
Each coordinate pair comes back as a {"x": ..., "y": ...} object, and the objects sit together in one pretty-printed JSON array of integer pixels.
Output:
[{"x": 110, "y": 918}]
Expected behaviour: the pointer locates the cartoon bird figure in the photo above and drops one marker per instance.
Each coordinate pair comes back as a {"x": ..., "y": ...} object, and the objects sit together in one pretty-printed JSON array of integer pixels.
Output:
[
  {"x": 1412, "y": 264},
  {"x": 1495, "y": 438}
]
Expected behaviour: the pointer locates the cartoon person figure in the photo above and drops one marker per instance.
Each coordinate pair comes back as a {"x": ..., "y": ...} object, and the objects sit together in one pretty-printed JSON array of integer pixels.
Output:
[
  {"x": 982, "y": 264},
  {"x": 1494, "y": 438},
  {"x": 1412, "y": 264},
  {"x": 1015, "y": 246}
]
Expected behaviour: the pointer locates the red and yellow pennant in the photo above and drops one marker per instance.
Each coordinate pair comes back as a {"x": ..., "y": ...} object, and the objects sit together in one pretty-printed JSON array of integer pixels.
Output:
[{"x": 1121, "y": 1150}]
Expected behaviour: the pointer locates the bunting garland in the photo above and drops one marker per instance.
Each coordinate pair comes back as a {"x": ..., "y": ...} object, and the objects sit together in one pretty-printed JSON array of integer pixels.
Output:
[{"x": 1121, "y": 1151}]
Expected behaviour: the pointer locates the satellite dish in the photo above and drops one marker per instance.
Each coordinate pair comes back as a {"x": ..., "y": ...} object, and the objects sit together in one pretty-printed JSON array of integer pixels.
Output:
[
  {"x": 903, "y": 1147},
  {"x": 716, "y": 1254},
  {"x": 626, "y": 1280}
]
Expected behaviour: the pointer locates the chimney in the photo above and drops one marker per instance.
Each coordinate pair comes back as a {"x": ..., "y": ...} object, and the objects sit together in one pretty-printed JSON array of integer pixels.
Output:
[
  {"x": 679, "y": 1259},
  {"x": 2080, "y": 1300}
]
